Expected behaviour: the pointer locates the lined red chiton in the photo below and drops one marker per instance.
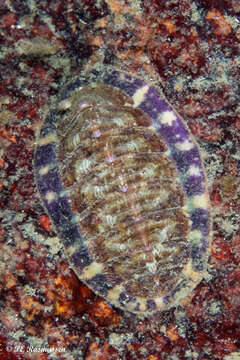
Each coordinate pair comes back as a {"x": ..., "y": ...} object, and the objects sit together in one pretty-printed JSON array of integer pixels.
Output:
[{"x": 123, "y": 183}]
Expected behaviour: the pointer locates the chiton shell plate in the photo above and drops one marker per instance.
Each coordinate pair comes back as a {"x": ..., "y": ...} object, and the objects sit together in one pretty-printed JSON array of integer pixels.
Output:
[{"x": 124, "y": 185}]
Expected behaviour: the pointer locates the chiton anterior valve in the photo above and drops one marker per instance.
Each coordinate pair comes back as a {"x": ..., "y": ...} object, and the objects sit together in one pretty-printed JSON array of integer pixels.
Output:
[{"x": 123, "y": 183}]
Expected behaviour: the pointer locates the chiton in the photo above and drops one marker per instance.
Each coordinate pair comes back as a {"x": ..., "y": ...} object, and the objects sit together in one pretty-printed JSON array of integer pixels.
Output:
[{"x": 124, "y": 185}]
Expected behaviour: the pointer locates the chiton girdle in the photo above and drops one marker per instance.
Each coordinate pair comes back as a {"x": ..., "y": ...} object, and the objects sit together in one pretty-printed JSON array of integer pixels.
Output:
[{"x": 123, "y": 183}]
